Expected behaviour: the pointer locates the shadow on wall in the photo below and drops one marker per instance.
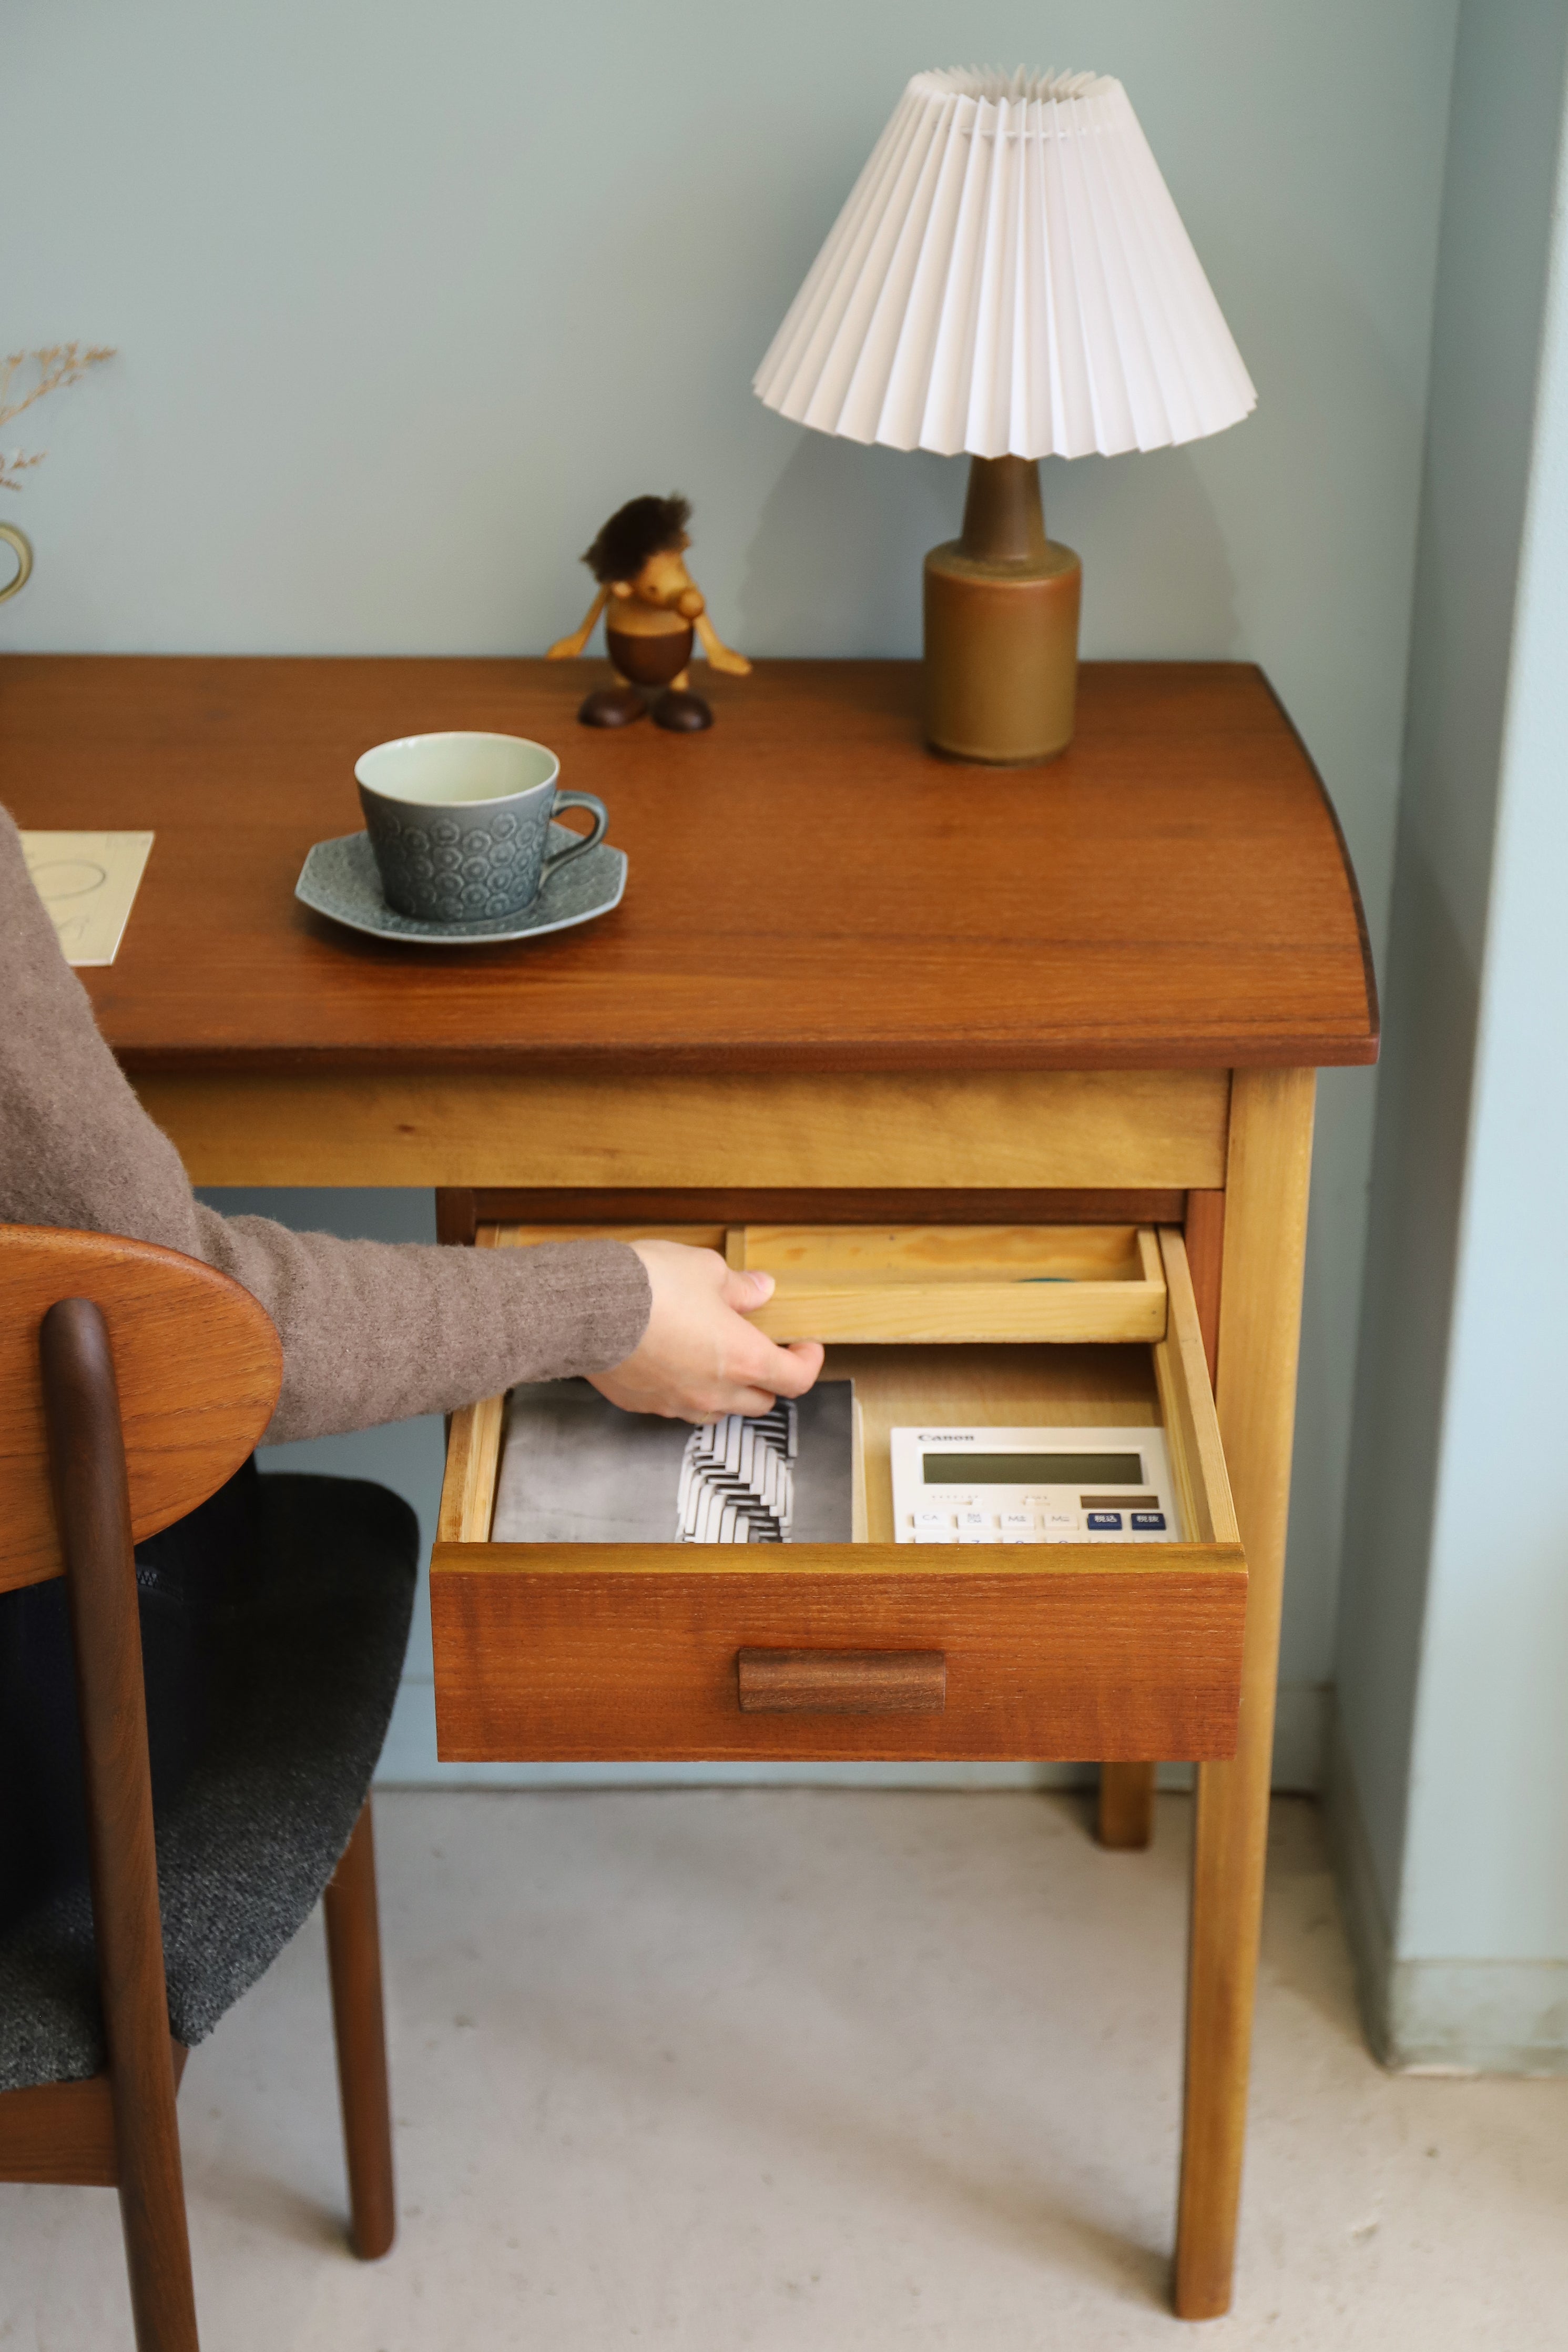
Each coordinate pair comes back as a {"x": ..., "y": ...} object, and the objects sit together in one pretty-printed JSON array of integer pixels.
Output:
[
  {"x": 1157, "y": 580},
  {"x": 835, "y": 565},
  {"x": 1417, "y": 1190}
]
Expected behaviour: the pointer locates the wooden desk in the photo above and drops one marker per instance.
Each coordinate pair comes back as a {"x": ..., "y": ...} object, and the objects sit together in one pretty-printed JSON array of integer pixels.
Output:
[{"x": 847, "y": 979}]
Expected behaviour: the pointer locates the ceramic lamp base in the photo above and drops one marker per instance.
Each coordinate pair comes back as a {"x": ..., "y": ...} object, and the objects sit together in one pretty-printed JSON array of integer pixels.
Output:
[{"x": 1001, "y": 626}]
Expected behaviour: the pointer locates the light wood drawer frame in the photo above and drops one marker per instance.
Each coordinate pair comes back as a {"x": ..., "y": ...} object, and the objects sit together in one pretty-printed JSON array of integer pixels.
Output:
[
  {"x": 628, "y": 1651},
  {"x": 938, "y": 1285}
]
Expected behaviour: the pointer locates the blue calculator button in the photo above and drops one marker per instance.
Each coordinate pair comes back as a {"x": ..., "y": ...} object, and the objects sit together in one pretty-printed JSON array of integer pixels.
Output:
[
  {"x": 1148, "y": 1523},
  {"x": 1104, "y": 1522}
]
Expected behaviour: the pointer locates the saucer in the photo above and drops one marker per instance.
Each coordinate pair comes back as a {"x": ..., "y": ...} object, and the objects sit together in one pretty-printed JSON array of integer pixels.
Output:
[{"x": 340, "y": 880}]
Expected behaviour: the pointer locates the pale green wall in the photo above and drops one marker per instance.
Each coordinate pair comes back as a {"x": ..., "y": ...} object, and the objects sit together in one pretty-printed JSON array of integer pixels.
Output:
[
  {"x": 408, "y": 295},
  {"x": 1451, "y": 1786}
]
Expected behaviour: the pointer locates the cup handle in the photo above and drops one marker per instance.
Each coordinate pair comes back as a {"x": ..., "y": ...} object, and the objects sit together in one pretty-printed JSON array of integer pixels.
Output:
[
  {"x": 559, "y": 857},
  {"x": 19, "y": 541}
]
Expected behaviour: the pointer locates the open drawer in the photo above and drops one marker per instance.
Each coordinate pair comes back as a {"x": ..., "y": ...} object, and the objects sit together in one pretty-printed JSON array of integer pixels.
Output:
[{"x": 877, "y": 1649}]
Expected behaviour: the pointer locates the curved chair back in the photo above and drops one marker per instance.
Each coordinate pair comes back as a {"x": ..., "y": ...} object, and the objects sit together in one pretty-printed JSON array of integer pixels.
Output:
[{"x": 196, "y": 1361}]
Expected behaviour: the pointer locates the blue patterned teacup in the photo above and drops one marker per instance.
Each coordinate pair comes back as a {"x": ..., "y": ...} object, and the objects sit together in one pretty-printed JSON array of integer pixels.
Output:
[{"x": 458, "y": 823}]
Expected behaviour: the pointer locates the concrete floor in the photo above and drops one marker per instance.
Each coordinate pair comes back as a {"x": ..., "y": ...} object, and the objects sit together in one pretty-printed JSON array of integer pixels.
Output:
[{"x": 797, "y": 2069}]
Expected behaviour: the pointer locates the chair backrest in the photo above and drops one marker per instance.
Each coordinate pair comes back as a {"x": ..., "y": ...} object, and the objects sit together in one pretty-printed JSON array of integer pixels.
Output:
[{"x": 197, "y": 1361}]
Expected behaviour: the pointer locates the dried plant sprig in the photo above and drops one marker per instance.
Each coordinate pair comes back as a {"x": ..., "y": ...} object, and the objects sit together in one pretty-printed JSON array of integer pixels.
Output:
[{"x": 57, "y": 364}]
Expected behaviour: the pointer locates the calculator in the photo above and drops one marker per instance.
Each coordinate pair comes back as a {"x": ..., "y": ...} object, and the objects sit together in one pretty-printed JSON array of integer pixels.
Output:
[{"x": 1032, "y": 1485}]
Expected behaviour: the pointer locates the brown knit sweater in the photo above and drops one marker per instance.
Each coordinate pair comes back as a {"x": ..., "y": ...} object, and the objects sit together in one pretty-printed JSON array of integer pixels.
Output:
[{"x": 371, "y": 1331}]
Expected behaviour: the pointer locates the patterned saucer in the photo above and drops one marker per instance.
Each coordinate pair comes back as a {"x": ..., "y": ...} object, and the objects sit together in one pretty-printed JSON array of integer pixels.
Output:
[{"x": 340, "y": 880}]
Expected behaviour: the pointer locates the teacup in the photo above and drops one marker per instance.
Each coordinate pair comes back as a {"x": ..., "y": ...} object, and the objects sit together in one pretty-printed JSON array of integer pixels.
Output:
[{"x": 458, "y": 823}]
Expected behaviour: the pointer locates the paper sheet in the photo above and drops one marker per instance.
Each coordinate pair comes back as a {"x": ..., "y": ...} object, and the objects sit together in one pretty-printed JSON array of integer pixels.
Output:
[
  {"x": 575, "y": 1470},
  {"x": 88, "y": 881}
]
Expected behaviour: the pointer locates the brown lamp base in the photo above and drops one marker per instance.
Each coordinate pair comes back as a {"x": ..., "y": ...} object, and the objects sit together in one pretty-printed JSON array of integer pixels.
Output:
[{"x": 1001, "y": 625}]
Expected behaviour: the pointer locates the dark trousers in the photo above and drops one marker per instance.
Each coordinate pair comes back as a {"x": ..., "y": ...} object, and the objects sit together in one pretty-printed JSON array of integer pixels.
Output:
[{"x": 185, "y": 1578}]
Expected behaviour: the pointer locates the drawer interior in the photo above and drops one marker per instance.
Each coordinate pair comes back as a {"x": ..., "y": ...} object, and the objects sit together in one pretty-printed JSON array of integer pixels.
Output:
[
  {"x": 1098, "y": 1648},
  {"x": 989, "y": 1387},
  {"x": 945, "y": 1284},
  {"x": 949, "y": 1278}
]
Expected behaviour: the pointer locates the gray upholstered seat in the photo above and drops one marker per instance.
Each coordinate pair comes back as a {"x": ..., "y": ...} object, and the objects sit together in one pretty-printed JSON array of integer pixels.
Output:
[{"x": 313, "y": 1640}]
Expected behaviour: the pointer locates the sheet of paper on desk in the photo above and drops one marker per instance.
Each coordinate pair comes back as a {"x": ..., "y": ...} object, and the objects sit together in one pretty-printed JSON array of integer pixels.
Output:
[{"x": 88, "y": 881}]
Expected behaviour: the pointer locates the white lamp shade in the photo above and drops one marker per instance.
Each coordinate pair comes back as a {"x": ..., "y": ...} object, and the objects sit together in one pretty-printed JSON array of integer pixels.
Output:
[{"x": 1010, "y": 277}]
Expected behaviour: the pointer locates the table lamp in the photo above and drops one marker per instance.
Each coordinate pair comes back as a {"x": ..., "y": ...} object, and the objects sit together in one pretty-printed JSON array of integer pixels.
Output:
[{"x": 1008, "y": 278}]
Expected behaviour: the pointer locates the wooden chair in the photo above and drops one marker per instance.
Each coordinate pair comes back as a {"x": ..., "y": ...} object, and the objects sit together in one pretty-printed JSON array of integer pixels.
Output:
[{"x": 133, "y": 1384}]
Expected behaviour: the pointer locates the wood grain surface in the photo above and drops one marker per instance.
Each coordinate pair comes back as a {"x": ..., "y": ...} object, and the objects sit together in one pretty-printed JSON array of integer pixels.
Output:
[
  {"x": 811, "y": 887},
  {"x": 63, "y": 2133},
  {"x": 463, "y": 1213},
  {"x": 951, "y": 1284},
  {"x": 88, "y": 1473},
  {"x": 937, "y": 1285},
  {"x": 841, "y": 1681},
  {"x": 622, "y": 1650},
  {"x": 197, "y": 1361},
  {"x": 783, "y": 1129},
  {"x": 1187, "y": 1410},
  {"x": 358, "y": 2028},
  {"x": 1266, "y": 1193}
]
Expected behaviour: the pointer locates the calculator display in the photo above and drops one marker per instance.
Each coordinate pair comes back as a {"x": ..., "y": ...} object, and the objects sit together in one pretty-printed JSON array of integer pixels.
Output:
[{"x": 1032, "y": 1469}]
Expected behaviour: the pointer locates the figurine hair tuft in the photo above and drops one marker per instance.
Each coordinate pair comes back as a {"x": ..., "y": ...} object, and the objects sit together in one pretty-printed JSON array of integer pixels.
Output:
[{"x": 641, "y": 528}]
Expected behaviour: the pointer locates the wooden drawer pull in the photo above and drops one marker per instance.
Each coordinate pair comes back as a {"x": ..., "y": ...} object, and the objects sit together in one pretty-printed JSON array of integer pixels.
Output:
[{"x": 841, "y": 1682}]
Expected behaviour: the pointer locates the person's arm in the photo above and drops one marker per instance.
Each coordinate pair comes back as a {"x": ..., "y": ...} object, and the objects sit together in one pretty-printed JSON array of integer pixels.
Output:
[
  {"x": 371, "y": 1331},
  {"x": 377, "y": 1331}
]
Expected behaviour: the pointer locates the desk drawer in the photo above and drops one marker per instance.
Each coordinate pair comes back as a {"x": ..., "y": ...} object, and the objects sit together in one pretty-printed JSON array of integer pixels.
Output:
[{"x": 874, "y": 1648}]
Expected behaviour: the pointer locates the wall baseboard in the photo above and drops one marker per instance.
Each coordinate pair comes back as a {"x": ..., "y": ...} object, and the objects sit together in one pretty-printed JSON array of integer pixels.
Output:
[
  {"x": 1434, "y": 2016},
  {"x": 1477, "y": 2017},
  {"x": 409, "y": 1761}
]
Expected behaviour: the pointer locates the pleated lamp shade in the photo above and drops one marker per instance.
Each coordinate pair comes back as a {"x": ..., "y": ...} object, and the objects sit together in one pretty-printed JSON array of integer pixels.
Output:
[{"x": 1010, "y": 278}]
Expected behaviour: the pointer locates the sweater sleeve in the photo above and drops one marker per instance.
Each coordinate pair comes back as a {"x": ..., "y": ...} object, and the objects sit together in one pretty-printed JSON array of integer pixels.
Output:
[{"x": 371, "y": 1331}]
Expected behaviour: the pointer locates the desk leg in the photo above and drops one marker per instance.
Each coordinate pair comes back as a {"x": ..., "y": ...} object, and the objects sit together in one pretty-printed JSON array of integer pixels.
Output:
[
  {"x": 1267, "y": 1172},
  {"x": 1125, "y": 1819}
]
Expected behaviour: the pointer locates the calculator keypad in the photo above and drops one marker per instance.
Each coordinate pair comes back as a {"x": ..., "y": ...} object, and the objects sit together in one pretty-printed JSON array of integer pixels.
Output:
[
  {"x": 971, "y": 1524},
  {"x": 968, "y": 1523}
]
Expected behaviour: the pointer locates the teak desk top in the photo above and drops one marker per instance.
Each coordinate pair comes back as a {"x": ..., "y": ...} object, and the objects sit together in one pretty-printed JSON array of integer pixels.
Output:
[{"x": 811, "y": 889}]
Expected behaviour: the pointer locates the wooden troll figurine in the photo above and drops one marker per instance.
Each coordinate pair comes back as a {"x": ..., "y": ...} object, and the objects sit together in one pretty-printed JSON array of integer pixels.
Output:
[{"x": 655, "y": 608}]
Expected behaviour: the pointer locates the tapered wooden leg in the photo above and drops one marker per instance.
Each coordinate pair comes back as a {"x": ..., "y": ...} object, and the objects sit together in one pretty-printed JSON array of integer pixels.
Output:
[
  {"x": 92, "y": 1508},
  {"x": 152, "y": 2214},
  {"x": 354, "y": 1957},
  {"x": 1265, "y": 1214},
  {"x": 1126, "y": 1821}
]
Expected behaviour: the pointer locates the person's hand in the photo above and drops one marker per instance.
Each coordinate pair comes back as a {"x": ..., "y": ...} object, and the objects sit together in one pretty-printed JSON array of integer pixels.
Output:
[{"x": 699, "y": 1356}]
